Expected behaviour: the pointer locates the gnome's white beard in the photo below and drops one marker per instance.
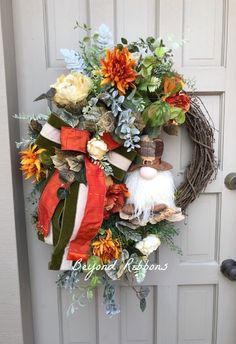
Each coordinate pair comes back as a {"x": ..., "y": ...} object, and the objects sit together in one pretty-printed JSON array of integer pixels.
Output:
[{"x": 145, "y": 194}]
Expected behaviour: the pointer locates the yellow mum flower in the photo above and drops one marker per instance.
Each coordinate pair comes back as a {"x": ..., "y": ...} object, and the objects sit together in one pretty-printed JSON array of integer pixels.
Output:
[
  {"x": 107, "y": 248},
  {"x": 30, "y": 162}
]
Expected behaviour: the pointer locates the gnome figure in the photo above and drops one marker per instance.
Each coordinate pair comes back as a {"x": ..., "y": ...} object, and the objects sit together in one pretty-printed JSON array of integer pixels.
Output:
[{"x": 151, "y": 187}]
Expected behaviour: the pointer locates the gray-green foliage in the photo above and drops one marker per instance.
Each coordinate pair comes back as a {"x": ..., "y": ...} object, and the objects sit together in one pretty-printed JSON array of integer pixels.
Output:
[
  {"x": 68, "y": 117},
  {"x": 142, "y": 294},
  {"x": 109, "y": 299},
  {"x": 129, "y": 233},
  {"x": 126, "y": 129},
  {"x": 93, "y": 46},
  {"x": 68, "y": 279},
  {"x": 36, "y": 117}
]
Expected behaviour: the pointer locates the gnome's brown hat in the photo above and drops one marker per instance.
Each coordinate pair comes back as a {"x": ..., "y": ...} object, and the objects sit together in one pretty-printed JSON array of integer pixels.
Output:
[{"x": 149, "y": 155}]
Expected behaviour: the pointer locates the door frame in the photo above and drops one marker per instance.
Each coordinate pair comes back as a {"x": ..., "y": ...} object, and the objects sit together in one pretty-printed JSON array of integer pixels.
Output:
[{"x": 15, "y": 297}]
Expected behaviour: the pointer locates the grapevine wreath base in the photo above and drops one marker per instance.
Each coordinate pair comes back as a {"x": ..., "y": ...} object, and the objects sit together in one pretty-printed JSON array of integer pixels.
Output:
[
  {"x": 105, "y": 199},
  {"x": 203, "y": 166}
]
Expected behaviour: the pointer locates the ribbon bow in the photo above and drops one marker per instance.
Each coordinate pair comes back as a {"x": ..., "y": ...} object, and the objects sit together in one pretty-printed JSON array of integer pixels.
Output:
[{"x": 73, "y": 139}]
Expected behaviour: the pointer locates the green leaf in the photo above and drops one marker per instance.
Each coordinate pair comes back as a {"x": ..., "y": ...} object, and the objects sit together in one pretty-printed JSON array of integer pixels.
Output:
[
  {"x": 129, "y": 234},
  {"x": 146, "y": 71},
  {"x": 157, "y": 114},
  {"x": 150, "y": 83},
  {"x": 143, "y": 85},
  {"x": 102, "y": 231},
  {"x": 45, "y": 158},
  {"x": 153, "y": 84},
  {"x": 181, "y": 118},
  {"x": 120, "y": 46},
  {"x": 124, "y": 40},
  {"x": 133, "y": 48},
  {"x": 149, "y": 60},
  {"x": 35, "y": 126},
  {"x": 166, "y": 231},
  {"x": 94, "y": 261},
  {"x": 124, "y": 255},
  {"x": 89, "y": 294},
  {"x": 143, "y": 304},
  {"x": 132, "y": 94},
  {"x": 177, "y": 114},
  {"x": 48, "y": 95},
  {"x": 143, "y": 292},
  {"x": 140, "y": 274},
  {"x": 150, "y": 40},
  {"x": 111, "y": 271},
  {"x": 95, "y": 36},
  {"x": 86, "y": 39},
  {"x": 174, "y": 112},
  {"x": 95, "y": 280},
  {"x": 160, "y": 52}
]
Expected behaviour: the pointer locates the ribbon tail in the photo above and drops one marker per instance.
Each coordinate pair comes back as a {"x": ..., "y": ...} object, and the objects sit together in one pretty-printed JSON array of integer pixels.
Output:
[
  {"x": 67, "y": 225},
  {"x": 93, "y": 214},
  {"x": 48, "y": 203}
]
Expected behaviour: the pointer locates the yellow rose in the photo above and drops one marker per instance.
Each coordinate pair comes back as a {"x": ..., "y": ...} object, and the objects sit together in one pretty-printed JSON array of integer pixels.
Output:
[
  {"x": 97, "y": 148},
  {"x": 71, "y": 89}
]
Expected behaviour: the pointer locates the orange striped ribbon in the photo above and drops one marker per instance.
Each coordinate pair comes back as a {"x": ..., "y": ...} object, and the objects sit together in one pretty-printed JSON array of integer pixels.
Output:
[{"x": 93, "y": 215}]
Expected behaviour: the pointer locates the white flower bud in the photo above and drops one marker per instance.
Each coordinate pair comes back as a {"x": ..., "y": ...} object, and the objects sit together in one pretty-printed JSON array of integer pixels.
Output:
[{"x": 148, "y": 244}]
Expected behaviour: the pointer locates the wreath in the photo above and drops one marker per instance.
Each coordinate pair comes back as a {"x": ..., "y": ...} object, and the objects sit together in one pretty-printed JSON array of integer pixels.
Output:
[
  {"x": 203, "y": 166},
  {"x": 105, "y": 199}
]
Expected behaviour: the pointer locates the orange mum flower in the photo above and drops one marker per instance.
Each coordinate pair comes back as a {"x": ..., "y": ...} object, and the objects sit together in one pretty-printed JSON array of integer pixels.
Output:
[
  {"x": 30, "y": 162},
  {"x": 107, "y": 248},
  {"x": 117, "y": 68}
]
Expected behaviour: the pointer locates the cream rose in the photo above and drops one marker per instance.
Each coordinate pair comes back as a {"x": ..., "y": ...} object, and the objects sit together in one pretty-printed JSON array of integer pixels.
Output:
[
  {"x": 148, "y": 244},
  {"x": 97, "y": 148},
  {"x": 71, "y": 89}
]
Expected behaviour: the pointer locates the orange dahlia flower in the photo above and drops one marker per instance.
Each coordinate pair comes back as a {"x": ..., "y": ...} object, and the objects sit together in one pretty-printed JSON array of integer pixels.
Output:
[
  {"x": 30, "y": 162},
  {"x": 107, "y": 248},
  {"x": 118, "y": 69}
]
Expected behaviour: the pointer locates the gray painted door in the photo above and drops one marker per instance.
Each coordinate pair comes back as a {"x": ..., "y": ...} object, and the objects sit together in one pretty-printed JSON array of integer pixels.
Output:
[{"x": 190, "y": 302}]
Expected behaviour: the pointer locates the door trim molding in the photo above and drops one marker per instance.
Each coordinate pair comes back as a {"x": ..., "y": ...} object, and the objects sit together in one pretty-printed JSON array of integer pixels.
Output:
[{"x": 15, "y": 297}]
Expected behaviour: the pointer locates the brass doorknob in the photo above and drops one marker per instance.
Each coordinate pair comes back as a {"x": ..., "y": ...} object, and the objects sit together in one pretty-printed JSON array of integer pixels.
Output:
[{"x": 230, "y": 181}]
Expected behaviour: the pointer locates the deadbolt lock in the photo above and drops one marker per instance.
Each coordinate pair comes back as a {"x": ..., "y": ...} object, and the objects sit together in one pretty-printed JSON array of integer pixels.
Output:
[{"x": 230, "y": 181}]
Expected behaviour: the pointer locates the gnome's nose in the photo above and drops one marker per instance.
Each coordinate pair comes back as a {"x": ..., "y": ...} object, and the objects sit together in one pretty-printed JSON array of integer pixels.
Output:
[{"x": 148, "y": 172}]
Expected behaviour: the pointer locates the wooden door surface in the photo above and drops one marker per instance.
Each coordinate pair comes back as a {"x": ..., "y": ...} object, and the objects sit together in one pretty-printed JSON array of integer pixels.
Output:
[{"x": 190, "y": 302}]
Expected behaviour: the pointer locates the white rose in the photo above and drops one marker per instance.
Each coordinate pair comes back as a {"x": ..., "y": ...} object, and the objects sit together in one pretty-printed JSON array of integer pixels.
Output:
[
  {"x": 148, "y": 244},
  {"x": 97, "y": 148},
  {"x": 71, "y": 89}
]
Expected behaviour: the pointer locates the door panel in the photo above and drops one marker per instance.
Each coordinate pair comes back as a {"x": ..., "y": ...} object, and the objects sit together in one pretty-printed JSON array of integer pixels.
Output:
[{"x": 190, "y": 302}]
